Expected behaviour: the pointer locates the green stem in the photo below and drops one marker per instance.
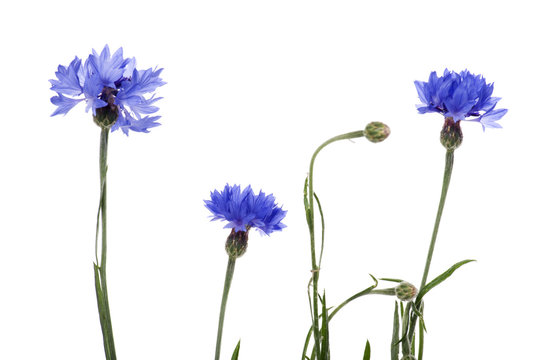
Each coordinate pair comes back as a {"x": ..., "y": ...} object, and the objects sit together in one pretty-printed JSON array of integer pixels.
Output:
[
  {"x": 101, "y": 273},
  {"x": 315, "y": 268},
  {"x": 227, "y": 284},
  {"x": 449, "y": 160}
]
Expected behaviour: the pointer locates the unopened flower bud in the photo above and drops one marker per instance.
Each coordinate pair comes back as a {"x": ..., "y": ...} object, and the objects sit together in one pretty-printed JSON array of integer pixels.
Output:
[
  {"x": 451, "y": 134},
  {"x": 405, "y": 291},
  {"x": 236, "y": 243},
  {"x": 376, "y": 131},
  {"x": 408, "y": 357}
]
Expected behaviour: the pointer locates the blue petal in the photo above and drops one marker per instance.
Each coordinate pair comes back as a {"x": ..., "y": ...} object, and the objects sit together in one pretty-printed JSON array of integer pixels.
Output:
[
  {"x": 143, "y": 124},
  {"x": 68, "y": 82},
  {"x": 108, "y": 68},
  {"x": 420, "y": 86},
  {"x": 244, "y": 209},
  {"x": 140, "y": 105},
  {"x": 489, "y": 119},
  {"x": 459, "y": 95},
  {"x": 92, "y": 89},
  {"x": 64, "y": 104}
]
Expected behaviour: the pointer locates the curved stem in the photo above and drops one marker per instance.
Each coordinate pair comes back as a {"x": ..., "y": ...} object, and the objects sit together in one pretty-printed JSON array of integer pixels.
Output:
[
  {"x": 315, "y": 268},
  {"x": 227, "y": 284},
  {"x": 449, "y": 160}
]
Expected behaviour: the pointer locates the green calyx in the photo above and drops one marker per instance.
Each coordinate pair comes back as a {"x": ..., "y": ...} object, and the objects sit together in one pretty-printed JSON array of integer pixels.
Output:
[
  {"x": 405, "y": 291},
  {"x": 236, "y": 243},
  {"x": 451, "y": 134},
  {"x": 376, "y": 131},
  {"x": 106, "y": 116}
]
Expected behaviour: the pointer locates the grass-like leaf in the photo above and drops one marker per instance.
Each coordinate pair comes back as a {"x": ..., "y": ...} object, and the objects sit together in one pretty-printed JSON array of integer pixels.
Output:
[
  {"x": 366, "y": 355},
  {"x": 325, "y": 348},
  {"x": 439, "y": 280},
  {"x": 307, "y": 205},
  {"x": 395, "y": 348},
  {"x": 392, "y": 280},
  {"x": 236, "y": 352},
  {"x": 322, "y": 229}
]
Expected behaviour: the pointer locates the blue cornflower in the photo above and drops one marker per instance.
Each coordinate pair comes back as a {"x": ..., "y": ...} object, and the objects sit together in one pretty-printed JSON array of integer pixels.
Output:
[
  {"x": 244, "y": 210},
  {"x": 458, "y": 96},
  {"x": 112, "y": 87}
]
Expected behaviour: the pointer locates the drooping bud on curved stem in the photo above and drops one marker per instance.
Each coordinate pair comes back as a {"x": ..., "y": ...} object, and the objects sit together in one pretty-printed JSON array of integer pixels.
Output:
[{"x": 451, "y": 134}]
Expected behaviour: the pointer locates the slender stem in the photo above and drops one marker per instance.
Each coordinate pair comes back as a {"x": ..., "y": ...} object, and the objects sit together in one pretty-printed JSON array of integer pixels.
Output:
[
  {"x": 449, "y": 160},
  {"x": 421, "y": 340},
  {"x": 227, "y": 284},
  {"x": 315, "y": 268},
  {"x": 101, "y": 274}
]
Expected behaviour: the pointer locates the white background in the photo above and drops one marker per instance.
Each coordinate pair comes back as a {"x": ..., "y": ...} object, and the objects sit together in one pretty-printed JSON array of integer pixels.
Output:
[{"x": 253, "y": 88}]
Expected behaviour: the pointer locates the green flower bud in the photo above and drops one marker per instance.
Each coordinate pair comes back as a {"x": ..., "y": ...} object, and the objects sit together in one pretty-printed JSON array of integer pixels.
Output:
[
  {"x": 408, "y": 357},
  {"x": 405, "y": 291},
  {"x": 376, "y": 131},
  {"x": 236, "y": 243},
  {"x": 451, "y": 134},
  {"x": 106, "y": 116}
]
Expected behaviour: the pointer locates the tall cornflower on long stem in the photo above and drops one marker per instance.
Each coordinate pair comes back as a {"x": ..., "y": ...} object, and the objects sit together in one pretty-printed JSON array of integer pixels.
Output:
[
  {"x": 116, "y": 92},
  {"x": 458, "y": 97},
  {"x": 242, "y": 210}
]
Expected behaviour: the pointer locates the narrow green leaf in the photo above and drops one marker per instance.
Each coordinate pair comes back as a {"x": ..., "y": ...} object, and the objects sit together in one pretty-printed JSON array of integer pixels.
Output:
[
  {"x": 366, "y": 355},
  {"x": 395, "y": 349},
  {"x": 307, "y": 205},
  {"x": 420, "y": 316},
  {"x": 439, "y": 280},
  {"x": 325, "y": 348},
  {"x": 322, "y": 229},
  {"x": 413, "y": 346},
  {"x": 236, "y": 352},
  {"x": 306, "y": 343},
  {"x": 392, "y": 280}
]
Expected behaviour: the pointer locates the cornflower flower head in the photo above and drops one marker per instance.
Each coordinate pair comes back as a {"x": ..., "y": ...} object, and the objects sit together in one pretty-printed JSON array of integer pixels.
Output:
[
  {"x": 244, "y": 210},
  {"x": 460, "y": 96},
  {"x": 112, "y": 87}
]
